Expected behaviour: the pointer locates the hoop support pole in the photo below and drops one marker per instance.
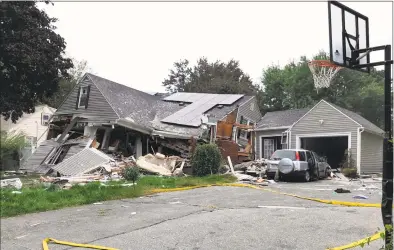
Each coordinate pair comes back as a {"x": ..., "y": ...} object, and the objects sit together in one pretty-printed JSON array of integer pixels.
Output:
[{"x": 387, "y": 180}]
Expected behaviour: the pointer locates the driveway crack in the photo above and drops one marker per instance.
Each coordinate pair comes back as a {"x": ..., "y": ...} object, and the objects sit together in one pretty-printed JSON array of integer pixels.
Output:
[{"x": 144, "y": 227}]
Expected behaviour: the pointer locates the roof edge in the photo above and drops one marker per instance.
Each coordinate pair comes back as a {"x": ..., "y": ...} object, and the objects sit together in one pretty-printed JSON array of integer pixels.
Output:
[
  {"x": 317, "y": 104},
  {"x": 343, "y": 113},
  {"x": 374, "y": 132},
  {"x": 272, "y": 128},
  {"x": 101, "y": 92}
]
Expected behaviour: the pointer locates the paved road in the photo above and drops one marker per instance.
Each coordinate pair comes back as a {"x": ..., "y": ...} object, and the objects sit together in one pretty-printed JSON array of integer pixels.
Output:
[{"x": 206, "y": 218}]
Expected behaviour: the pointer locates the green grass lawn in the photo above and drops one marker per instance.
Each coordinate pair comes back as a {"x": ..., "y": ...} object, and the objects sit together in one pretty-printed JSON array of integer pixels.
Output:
[{"x": 38, "y": 198}]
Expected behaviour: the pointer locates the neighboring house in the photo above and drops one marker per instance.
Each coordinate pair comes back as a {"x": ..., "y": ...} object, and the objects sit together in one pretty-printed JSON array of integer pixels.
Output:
[
  {"x": 34, "y": 126},
  {"x": 329, "y": 130},
  {"x": 113, "y": 112}
]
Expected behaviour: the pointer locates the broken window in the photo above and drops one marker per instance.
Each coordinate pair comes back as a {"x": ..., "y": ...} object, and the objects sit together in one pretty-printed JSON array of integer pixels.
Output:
[
  {"x": 83, "y": 97},
  {"x": 244, "y": 134}
]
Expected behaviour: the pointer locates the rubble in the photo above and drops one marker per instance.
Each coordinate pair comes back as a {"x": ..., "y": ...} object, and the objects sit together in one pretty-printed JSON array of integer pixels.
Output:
[
  {"x": 92, "y": 165},
  {"x": 158, "y": 164},
  {"x": 242, "y": 171},
  {"x": 257, "y": 167},
  {"x": 14, "y": 183}
]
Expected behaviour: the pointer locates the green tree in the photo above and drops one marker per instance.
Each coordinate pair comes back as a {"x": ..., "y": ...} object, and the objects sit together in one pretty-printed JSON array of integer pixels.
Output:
[
  {"x": 207, "y": 77},
  {"x": 292, "y": 87},
  {"x": 32, "y": 60}
]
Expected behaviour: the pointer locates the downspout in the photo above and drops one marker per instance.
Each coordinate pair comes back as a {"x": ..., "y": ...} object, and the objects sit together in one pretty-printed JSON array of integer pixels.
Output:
[
  {"x": 359, "y": 131},
  {"x": 255, "y": 148}
]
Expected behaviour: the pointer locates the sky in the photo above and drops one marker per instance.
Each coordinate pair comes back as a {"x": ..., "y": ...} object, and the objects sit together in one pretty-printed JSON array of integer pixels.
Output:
[{"x": 136, "y": 43}]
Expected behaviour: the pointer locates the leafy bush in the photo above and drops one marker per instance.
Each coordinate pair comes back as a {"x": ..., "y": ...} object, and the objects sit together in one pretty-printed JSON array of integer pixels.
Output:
[
  {"x": 10, "y": 146},
  {"x": 350, "y": 172},
  {"x": 349, "y": 168},
  {"x": 206, "y": 160},
  {"x": 131, "y": 174},
  {"x": 11, "y": 142}
]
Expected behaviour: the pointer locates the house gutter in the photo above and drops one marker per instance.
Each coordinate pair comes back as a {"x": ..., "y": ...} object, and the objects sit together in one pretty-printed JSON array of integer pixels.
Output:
[
  {"x": 271, "y": 128},
  {"x": 171, "y": 135},
  {"x": 128, "y": 123},
  {"x": 359, "y": 131}
]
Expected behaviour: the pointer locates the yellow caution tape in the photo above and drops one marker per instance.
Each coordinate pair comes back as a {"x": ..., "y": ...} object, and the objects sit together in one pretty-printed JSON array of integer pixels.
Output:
[
  {"x": 47, "y": 240},
  {"x": 164, "y": 190},
  {"x": 331, "y": 202},
  {"x": 359, "y": 243}
]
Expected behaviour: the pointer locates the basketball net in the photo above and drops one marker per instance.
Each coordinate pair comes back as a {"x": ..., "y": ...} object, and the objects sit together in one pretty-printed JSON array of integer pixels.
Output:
[{"x": 323, "y": 72}]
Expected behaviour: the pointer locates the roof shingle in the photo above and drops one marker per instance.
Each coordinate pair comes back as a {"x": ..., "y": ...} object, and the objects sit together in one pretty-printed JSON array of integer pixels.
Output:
[{"x": 284, "y": 118}]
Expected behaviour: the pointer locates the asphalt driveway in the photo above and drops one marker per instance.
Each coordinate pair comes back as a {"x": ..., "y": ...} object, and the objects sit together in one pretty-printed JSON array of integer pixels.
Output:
[{"x": 205, "y": 218}]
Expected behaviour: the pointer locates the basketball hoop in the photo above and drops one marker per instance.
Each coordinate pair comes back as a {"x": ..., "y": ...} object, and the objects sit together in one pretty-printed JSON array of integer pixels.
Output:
[{"x": 323, "y": 72}]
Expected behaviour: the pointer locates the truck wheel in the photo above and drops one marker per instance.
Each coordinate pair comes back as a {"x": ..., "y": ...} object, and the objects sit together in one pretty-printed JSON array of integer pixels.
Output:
[
  {"x": 327, "y": 172},
  {"x": 307, "y": 176}
]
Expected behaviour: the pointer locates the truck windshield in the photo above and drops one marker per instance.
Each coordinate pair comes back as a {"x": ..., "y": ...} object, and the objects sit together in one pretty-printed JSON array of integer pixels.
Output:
[{"x": 280, "y": 154}]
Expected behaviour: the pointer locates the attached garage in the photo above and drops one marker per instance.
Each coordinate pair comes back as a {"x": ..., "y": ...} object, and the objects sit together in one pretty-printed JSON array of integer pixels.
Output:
[
  {"x": 333, "y": 147},
  {"x": 336, "y": 132},
  {"x": 328, "y": 130}
]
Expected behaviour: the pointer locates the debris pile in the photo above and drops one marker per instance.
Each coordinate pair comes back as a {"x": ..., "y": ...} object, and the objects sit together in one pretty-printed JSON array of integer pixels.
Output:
[
  {"x": 245, "y": 170},
  {"x": 14, "y": 183},
  {"x": 91, "y": 165},
  {"x": 255, "y": 168},
  {"x": 160, "y": 164}
]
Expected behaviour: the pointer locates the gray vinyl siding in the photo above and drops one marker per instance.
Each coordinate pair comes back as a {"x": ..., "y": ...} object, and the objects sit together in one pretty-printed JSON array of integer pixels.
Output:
[
  {"x": 265, "y": 133},
  {"x": 252, "y": 115},
  {"x": 34, "y": 161},
  {"x": 245, "y": 111},
  {"x": 371, "y": 153},
  {"x": 98, "y": 110},
  {"x": 334, "y": 121}
]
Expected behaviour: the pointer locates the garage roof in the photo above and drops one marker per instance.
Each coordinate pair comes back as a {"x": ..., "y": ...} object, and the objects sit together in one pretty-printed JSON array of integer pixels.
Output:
[
  {"x": 359, "y": 119},
  {"x": 287, "y": 118},
  {"x": 279, "y": 119}
]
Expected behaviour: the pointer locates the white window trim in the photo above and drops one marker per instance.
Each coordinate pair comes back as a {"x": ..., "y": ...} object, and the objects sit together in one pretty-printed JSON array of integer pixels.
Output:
[
  {"x": 287, "y": 138},
  {"x": 348, "y": 134},
  {"x": 80, "y": 95},
  {"x": 262, "y": 148},
  {"x": 45, "y": 122},
  {"x": 261, "y": 144}
]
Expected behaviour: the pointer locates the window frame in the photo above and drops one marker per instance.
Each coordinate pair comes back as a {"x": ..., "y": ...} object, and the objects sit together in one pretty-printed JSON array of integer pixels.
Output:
[
  {"x": 81, "y": 88},
  {"x": 284, "y": 134},
  {"x": 243, "y": 133}
]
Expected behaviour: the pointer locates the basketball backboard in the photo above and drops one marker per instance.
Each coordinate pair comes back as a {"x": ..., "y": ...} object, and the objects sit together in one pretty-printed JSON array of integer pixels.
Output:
[{"x": 348, "y": 31}]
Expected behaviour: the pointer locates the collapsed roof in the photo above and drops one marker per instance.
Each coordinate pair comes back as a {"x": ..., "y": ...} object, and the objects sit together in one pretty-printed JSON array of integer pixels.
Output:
[{"x": 176, "y": 114}]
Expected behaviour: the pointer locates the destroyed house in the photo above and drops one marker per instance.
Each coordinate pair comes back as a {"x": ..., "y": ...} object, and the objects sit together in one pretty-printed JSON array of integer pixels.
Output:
[{"x": 117, "y": 118}]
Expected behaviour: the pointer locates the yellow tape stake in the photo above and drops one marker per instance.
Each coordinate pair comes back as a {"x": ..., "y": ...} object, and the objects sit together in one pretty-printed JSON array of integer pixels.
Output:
[
  {"x": 47, "y": 240},
  {"x": 364, "y": 241}
]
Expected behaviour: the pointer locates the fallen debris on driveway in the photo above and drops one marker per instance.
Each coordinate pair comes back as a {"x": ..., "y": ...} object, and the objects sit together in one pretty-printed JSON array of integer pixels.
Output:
[{"x": 341, "y": 190}]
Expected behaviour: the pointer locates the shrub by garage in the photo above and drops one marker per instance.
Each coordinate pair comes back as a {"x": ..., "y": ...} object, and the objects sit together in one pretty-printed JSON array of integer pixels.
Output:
[{"x": 206, "y": 160}]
